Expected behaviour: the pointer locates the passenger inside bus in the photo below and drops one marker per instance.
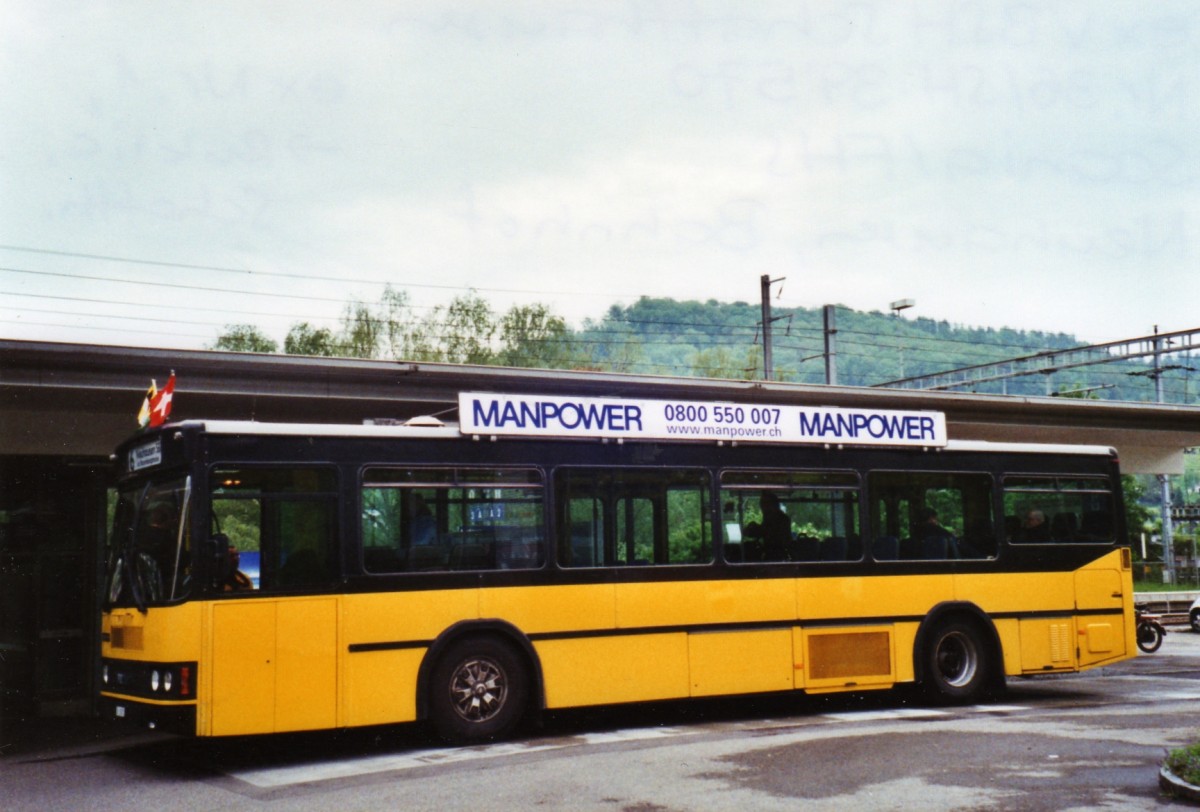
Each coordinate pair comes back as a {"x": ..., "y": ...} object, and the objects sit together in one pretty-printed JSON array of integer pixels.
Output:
[
  {"x": 936, "y": 541},
  {"x": 775, "y": 529},
  {"x": 237, "y": 580},
  {"x": 423, "y": 527},
  {"x": 1034, "y": 527}
]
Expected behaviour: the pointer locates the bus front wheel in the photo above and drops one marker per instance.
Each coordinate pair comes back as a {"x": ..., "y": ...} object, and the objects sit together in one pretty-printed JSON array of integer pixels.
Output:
[
  {"x": 956, "y": 662},
  {"x": 479, "y": 691}
]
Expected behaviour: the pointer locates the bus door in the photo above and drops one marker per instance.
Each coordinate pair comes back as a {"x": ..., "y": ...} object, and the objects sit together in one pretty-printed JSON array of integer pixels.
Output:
[{"x": 274, "y": 648}]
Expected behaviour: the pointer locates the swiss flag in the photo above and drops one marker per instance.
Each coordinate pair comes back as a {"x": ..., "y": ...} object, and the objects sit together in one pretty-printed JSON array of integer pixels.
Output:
[{"x": 160, "y": 403}]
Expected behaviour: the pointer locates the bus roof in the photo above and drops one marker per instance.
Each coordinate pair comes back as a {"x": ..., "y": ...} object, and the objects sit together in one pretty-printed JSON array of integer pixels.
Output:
[{"x": 431, "y": 429}]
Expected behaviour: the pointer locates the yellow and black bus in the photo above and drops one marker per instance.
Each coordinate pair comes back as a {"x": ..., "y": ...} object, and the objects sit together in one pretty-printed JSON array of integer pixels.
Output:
[{"x": 550, "y": 552}]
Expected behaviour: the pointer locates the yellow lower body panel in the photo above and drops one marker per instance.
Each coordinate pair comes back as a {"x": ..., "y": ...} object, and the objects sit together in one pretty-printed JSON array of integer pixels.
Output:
[
  {"x": 381, "y": 686},
  {"x": 608, "y": 670},
  {"x": 723, "y": 663}
]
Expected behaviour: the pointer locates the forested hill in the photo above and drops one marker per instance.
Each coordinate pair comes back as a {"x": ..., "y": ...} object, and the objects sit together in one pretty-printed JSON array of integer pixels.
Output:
[
  {"x": 715, "y": 339},
  {"x": 704, "y": 339}
]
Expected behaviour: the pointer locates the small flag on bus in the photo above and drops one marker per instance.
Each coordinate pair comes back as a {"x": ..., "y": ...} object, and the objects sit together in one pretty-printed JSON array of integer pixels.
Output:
[{"x": 156, "y": 406}]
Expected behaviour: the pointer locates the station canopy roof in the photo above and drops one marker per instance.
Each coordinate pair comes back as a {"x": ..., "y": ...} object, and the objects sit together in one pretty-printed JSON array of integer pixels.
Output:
[{"x": 81, "y": 400}]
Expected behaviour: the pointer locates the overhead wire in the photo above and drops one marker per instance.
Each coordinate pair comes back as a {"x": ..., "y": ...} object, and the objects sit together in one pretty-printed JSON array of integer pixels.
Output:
[
  {"x": 694, "y": 326},
  {"x": 169, "y": 285},
  {"x": 94, "y": 327},
  {"x": 340, "y": 279},
  {"x": 606, "y": 332}
]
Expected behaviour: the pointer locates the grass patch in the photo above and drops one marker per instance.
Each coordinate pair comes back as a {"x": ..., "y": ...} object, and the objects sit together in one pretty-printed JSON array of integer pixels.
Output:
[
  {"x": 1184, "y": 763},
  {"x": 1159, "y": 586}
]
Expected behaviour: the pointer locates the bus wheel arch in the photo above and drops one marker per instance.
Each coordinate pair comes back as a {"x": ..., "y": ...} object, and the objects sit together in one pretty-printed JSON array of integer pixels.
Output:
[
  {"x": 479, "y": 681},
  {"x": 957, "y": 657}
]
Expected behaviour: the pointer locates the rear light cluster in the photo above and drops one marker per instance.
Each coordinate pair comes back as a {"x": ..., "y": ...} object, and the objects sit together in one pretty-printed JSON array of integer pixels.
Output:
[{"x": 151, "y": 680}]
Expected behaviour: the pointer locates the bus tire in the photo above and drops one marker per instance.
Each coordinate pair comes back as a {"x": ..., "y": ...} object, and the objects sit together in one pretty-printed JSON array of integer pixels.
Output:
[
  {"x": 479, "y": 691},
  {"x": 957, "y": 667},
  {"x": 1194, "y": 619}
]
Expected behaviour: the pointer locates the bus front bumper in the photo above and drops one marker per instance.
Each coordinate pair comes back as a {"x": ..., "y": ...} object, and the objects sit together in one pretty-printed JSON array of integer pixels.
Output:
[{"x": 180, "y": 719}]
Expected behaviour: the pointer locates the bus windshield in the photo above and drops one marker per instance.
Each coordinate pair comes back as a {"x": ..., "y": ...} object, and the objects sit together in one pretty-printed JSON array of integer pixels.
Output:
[{"x": 150, "y": 560}]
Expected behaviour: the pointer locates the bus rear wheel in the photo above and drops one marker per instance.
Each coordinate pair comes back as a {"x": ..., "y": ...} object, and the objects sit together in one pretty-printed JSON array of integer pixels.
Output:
[
  {"x": 957, "y": 667},
  {"x": 479, "y": 691}
]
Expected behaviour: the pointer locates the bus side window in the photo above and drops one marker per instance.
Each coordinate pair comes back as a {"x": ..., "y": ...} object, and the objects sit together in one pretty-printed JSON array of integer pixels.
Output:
[
  {"x": 632, "y": 517},
  {"x": 931, "y": 516},
  {"x": 689, "y": 526},
  {"x": 1058, "y": 510},
  {"x": 451, "y": 519},
  {"x": 584, "y": 541},
  {"x": 236, "y": 527},
  {"x": 286, "y": 516},
  {"x": 790, "y": 516},
  {"x": 305, "y": 545}
]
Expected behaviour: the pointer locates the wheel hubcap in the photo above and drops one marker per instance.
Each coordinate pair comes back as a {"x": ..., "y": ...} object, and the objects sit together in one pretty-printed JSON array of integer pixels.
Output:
[
  {"x": 957, "y": 659},
  {"x": 478, "y": 690}
]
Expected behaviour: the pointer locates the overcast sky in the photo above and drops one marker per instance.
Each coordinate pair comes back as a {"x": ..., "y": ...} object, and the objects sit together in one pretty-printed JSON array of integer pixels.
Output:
[{"x": 1004, "y": 164}]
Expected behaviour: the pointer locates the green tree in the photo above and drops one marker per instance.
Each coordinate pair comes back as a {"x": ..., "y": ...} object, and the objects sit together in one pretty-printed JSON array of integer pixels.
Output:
[
  {"x": 244, "y": 338},
  {"x": 612, "y": 344},
  {"x": 304, "y": 339},
  {"x": 405, "y": 336},
  {"x": 1137, "y": 514},
  {"x": 724, "y": 362},
  {"x": 422, "y": 338},
  {"x": 532, "y": 336},
  {"x": 363, "y": 332},
  {"x": 467, "y": 328}
]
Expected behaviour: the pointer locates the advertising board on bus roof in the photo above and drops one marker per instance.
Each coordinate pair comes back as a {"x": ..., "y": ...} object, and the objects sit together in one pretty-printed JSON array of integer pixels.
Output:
[{"x": 503, "y": 415}]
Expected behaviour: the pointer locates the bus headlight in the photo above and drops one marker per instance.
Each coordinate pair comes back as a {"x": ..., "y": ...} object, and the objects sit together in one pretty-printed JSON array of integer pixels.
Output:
[{"x": 148, "y": 680}]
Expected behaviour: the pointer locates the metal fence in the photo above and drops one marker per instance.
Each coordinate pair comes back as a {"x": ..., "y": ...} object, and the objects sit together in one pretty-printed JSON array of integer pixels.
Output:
[{"x": 1151, "y": 576}]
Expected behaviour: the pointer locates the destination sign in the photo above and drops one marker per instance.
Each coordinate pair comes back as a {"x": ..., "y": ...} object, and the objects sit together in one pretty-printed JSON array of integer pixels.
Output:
[
  {"x": 635, "y": 419},
  {"x": 147, "y": 455}
]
